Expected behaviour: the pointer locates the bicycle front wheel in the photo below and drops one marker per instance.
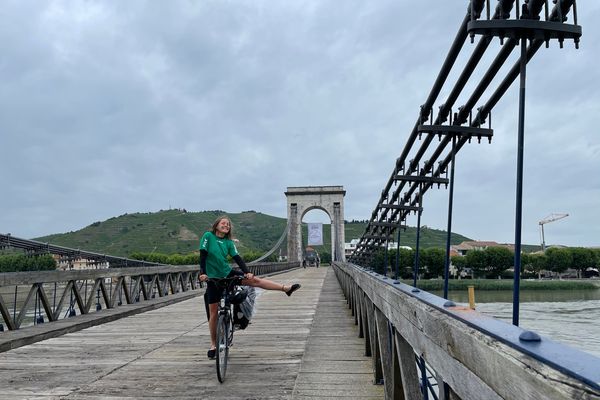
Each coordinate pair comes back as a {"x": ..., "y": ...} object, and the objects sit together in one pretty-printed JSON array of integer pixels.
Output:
[{"x": 222, "y": 346}]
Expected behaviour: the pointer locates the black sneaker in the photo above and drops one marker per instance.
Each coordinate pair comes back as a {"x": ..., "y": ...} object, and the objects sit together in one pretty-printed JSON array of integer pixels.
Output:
[
  {"x": 211, "y": 353},
  {"x": 292, "y": 289}
]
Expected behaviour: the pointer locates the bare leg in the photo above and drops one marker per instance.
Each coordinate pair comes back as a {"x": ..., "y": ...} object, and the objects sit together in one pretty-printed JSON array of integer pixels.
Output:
[
  {"x": 265, "y": 284},
  {"x": 212, "y": 324}
]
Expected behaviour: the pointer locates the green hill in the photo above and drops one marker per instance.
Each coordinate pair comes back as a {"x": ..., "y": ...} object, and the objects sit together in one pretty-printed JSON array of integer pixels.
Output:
[
  {"x": 178, "y": 231},
  {"x": 168, "y": 232}
]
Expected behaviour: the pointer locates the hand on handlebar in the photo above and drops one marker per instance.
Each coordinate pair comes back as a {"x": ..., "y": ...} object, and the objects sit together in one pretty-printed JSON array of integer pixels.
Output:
[
  {"x": 203, "y": 278},
  {"x": 248, "y": 275}
]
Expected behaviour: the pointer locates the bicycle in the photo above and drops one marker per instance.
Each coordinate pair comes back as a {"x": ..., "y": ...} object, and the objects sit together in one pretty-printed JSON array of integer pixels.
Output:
[{"x": 225, "y": 327}]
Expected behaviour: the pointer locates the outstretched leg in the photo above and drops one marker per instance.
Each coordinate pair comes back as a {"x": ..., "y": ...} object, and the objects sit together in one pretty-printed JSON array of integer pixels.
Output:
[{"x": 270, "y": 285}]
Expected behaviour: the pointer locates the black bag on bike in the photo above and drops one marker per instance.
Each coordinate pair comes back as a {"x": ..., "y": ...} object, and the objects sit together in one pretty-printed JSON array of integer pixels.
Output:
[
  {"x": 244, "y": 310},
  {"x": 239, "y": 319}
]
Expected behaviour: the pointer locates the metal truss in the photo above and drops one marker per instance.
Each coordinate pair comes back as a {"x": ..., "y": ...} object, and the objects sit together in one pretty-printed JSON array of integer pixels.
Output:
[
  {"x": 32, "y": 247},
  {"x": 528, "y": 24}
]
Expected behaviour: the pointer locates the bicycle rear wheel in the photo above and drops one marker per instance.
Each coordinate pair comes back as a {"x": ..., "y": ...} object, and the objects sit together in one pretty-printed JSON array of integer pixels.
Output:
[{"x": 222, "y": 346}]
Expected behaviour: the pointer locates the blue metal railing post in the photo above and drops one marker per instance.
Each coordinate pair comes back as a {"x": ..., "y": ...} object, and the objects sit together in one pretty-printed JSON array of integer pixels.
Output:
[
  {"x": 98, "y": 305},
  {"x": 424, "y": 381},
  {"x": 519, "y": 191},
  {"x": 449, "y": 229}
]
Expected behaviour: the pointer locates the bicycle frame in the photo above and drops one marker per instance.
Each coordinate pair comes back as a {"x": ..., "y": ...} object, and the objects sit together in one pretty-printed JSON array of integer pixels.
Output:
[{"x": 225, "y": 327}]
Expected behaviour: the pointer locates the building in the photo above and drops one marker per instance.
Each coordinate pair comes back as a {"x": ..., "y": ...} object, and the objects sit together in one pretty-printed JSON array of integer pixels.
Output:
[
  {"x": 351, "y": 246},
  {"x": 66, "y": 264},
  {"x": 466, "y": 246}
]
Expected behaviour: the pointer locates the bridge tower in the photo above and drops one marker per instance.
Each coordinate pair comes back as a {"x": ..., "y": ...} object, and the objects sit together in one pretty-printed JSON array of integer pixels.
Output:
[{"x": 301, "y": 200}]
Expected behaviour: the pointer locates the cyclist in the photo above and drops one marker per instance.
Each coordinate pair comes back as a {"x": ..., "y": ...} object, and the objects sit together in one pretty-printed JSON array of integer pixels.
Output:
[{"x": 215, "y": 246}]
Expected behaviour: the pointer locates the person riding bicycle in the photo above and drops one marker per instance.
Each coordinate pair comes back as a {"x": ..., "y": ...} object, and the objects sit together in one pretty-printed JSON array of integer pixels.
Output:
[{"x": 215, "y": 246}]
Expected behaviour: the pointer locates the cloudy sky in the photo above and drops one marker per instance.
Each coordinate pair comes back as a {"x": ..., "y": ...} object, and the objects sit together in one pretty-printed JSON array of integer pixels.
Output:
[{"x": 108, "y": 107}]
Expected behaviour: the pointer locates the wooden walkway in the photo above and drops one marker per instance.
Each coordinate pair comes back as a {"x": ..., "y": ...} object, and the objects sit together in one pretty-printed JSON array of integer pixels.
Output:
[{"x": 301, "y": 347}]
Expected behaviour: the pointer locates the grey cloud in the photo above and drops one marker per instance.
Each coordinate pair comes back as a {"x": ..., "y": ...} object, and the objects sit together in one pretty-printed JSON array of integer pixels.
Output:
[{"x": 118, "y": 107}]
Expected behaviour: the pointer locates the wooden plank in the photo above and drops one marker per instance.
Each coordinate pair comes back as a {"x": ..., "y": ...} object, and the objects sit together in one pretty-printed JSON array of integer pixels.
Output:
[
  {"x": 385, "y": 348},
  {"x": 61, "y": 301},
  {"x": 408, "y": 369},
  {"x": 78, "y": 298},
  {"x": 26, "y": 336},
  {"x": 398, "y": 387},
  {"x": 23, "y": 310},
  {"x": 375, "y": 353},
  {"x": 45, "y": 302},
  {"x": 6, "y": 314},
  {"x": 334, "y": 364},
  {"x": 92, "y": 295}
]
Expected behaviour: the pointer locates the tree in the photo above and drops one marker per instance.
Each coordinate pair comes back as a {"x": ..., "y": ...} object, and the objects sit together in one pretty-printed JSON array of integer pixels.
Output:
[
  {"x": 559, "y": 260},
  {"x": 526, "y": 267},
  {"x": 21, "y": 262},
  {"x": 433, "y": 261},
  {"x": 534, "y": 263},
  {"x": 582, "y": 259},
  {"x": 477, "y": 261},
  {"x": 407, "y": 262},
  {"x": 382, "y": 263},
  {"x": 498, "y": 259},
  {"x": 596, "y": 257},
  {"x": 325, "y": 257}
]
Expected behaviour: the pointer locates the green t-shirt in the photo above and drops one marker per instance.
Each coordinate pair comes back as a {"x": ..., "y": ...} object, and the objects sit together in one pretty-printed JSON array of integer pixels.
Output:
[{"x": 217, "y": 265}]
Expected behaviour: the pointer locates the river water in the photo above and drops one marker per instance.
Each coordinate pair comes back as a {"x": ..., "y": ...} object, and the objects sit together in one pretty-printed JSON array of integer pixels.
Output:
[{"x": 571, "y": 317}]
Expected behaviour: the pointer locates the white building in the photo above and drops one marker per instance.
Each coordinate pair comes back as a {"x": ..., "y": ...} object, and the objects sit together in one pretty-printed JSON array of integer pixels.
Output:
[{"x": 350, "y": 247}]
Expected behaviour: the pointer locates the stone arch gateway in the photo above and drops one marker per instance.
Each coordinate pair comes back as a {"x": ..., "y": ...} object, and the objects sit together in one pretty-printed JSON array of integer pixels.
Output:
[{"x": 302, "y": 199}]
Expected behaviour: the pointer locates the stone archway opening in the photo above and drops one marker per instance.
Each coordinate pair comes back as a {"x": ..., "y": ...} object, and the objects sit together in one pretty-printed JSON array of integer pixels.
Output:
[
  {"x": 303, "y": 199},
  {"x": 316, "y": 222}
]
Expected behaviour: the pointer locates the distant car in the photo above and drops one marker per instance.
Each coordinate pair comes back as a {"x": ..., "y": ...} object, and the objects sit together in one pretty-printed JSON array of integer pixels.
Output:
[
  {"x": 311, "y": 258},
  {"x": 466, "y": 273},
  {"x": 591, "y": 273}
]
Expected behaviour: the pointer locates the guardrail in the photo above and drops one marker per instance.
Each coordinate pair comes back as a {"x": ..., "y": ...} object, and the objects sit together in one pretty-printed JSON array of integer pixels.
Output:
[
  {"x": 37, "y": 297},
  {"x": 419, "y": 340}
]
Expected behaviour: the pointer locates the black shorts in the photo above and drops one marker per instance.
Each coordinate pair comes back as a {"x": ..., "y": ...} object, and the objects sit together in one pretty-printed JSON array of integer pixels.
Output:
[{"x": 213, "y": 294}]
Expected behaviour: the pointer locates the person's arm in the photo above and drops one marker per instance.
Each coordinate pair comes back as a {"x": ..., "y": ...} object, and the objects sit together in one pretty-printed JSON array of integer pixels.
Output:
[
  {"x": 238, "y": 260},
  {"x": 203, "y": 255}
]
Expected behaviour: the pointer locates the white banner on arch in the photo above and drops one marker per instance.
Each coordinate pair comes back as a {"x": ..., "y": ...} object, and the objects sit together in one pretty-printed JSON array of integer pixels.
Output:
[{"x": 315, "y": 234}]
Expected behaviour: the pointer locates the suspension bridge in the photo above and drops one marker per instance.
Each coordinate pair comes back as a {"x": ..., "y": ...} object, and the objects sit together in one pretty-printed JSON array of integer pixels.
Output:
[{"x": 137, "y": 330}]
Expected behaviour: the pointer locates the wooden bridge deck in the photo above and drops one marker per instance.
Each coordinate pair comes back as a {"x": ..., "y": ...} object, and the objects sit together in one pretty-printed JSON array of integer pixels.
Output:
[{"x": 301, "y": 347}]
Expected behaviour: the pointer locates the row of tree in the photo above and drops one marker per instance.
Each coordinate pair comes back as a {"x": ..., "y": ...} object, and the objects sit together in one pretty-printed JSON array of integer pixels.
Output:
[
  {"x": 492, "y": 262},
  {"x": 192, "y": 258},
  {"x": 21, "y": 262}
]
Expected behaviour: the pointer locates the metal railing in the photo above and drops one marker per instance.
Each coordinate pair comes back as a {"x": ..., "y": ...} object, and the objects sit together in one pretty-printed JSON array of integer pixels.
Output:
[
  {"x": 460, "y": 353},
  {"x": 48, "y": 296},
  {"x": 430, "y": 163}
]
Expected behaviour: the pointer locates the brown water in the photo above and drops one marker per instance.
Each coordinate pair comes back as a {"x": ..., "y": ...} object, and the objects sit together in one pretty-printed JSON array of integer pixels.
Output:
[{"x": 567, "y": 316}]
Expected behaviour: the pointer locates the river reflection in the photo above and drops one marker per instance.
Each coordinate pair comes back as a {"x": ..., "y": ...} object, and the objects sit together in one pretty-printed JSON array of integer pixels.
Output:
[{"x": 570, "y": 316}]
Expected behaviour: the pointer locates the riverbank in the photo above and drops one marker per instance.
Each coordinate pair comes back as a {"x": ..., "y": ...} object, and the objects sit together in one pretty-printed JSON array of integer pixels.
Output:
[{"x": 506, "y": 284}]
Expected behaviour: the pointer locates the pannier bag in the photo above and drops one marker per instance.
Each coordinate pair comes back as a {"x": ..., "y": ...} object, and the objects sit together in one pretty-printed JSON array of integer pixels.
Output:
[{"x": 244, "y": 311}]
